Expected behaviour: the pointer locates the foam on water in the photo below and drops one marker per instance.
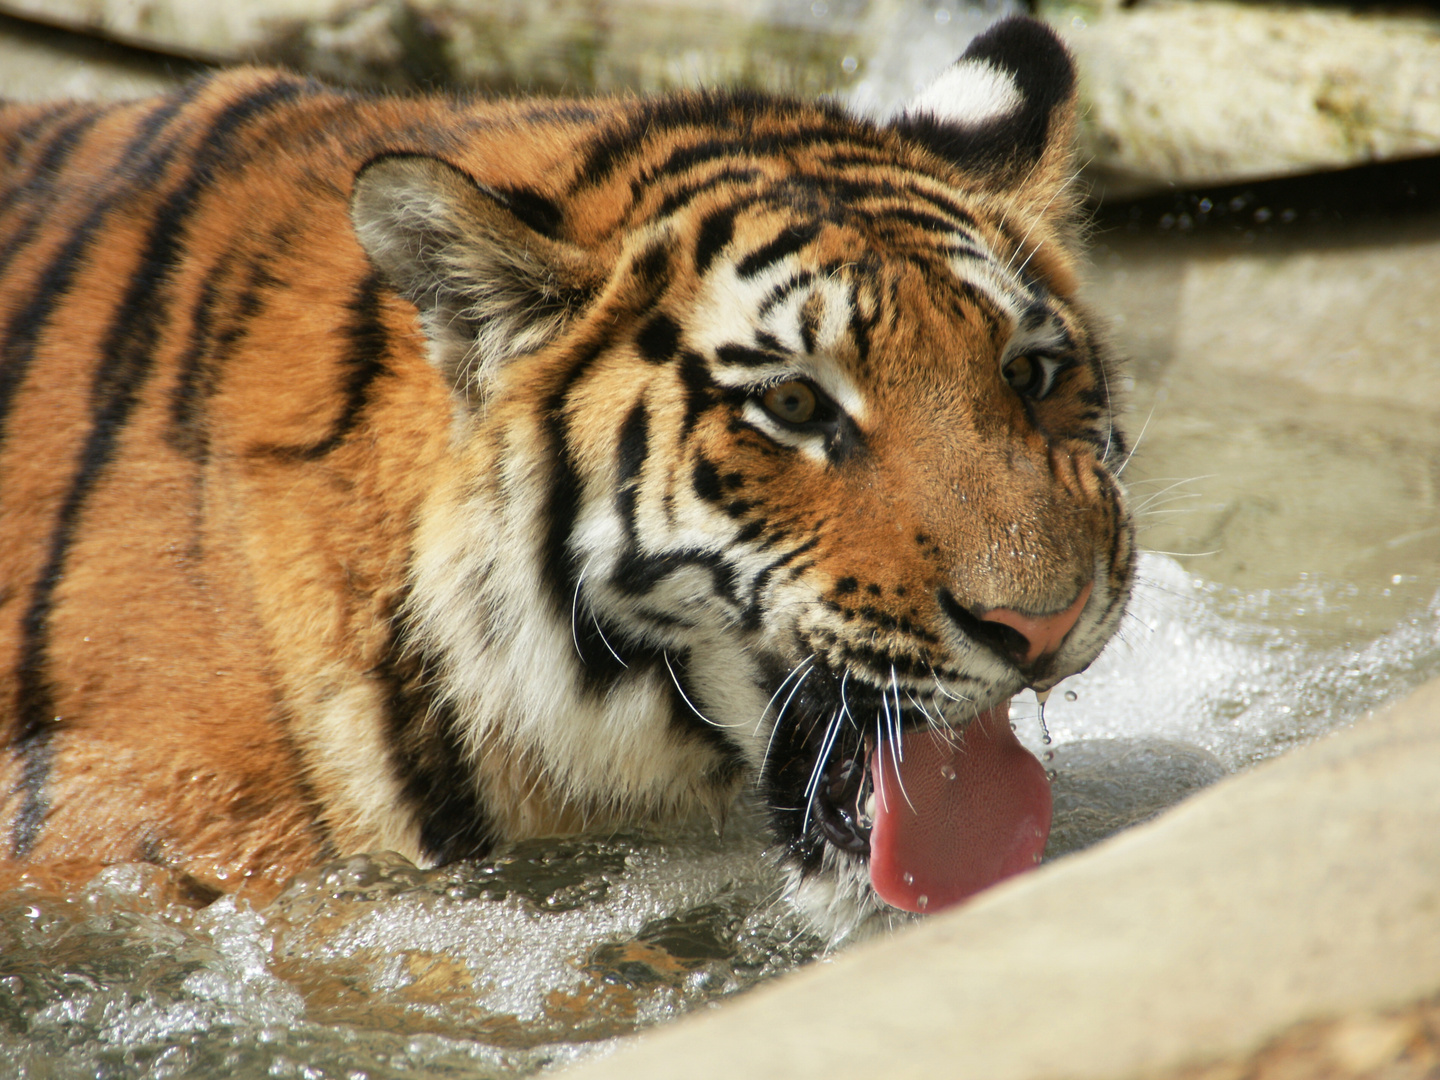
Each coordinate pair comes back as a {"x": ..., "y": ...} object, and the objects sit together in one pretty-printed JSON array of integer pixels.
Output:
[{"x": 1242, "y": 675}]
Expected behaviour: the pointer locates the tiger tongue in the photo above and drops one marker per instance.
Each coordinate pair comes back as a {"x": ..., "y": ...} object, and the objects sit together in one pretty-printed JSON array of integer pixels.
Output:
[{"x": 963, "y": 812}]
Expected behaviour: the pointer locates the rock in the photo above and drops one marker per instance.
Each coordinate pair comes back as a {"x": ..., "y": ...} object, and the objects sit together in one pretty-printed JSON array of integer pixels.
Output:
[
  {"x": 40, "y": 64},
  {"x": 1175, "y": 92},
  {"x": 1302, "y": 891},
  {"x": 1189, "y": 93}
]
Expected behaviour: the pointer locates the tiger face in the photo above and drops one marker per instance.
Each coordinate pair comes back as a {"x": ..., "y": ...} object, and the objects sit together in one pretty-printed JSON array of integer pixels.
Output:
[
  {"x": 823, "y": 484},
  {"x": 544, "y": 467}
]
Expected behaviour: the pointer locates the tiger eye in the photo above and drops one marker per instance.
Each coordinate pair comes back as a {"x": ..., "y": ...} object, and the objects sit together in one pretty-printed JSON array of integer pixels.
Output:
[
  {"x": 1020, "y": 373},
  {"x": 793, "y": 401}
]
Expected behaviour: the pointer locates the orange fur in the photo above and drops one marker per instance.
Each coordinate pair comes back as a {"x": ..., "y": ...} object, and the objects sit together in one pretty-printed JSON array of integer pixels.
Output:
[{"x": 234, "y": 449}]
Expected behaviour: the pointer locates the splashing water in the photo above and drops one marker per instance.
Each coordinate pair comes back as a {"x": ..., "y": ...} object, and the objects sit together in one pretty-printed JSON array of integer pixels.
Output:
[
  {"x": 1238, "y": 674},
  {"x": 371, "y": 968}
]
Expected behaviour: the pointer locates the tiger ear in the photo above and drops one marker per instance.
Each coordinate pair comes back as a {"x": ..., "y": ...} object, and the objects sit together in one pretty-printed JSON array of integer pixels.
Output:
[
  {"x": 483, "y": 267},
  {"x": 1004, "y": 113}
]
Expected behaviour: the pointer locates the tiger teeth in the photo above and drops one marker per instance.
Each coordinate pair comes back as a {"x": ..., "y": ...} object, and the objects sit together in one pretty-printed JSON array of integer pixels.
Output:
[{"x": 867, "y": 813}]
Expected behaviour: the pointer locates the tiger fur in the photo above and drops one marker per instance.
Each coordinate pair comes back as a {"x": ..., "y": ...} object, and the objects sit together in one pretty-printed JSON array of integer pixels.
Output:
[{"x": 426, "y": 473}]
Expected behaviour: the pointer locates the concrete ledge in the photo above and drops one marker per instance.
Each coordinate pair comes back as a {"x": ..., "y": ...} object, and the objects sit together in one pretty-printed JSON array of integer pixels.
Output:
[{"x": 1307, "y": 888}]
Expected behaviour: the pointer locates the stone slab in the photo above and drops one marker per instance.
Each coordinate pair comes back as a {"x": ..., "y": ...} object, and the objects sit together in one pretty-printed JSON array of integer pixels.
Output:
[
  {"x": 1186, "y": 93},
  {"x": 1175, "y": 92},
  {"x": 38, "y": 63},
  {"x": 1308, "y": 888}
]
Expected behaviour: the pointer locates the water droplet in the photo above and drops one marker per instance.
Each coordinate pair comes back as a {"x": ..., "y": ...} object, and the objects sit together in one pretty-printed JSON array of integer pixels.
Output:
[
  {"x": 948, "y": 771},
  {"x": 1071, "y": 695},
  {"x": 849, "y": 64},
  {"x": 908, "y": 878},
  {"x": 942, "y": 15},
  {"x": 922, "y": 901}
]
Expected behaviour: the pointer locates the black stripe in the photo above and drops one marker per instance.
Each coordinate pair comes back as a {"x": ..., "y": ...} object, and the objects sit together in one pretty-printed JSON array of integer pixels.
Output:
[
  {"x": 705, "y": 479},
  {"x": 700, "y": 390},
  {"x": 24, "y": 331},
  {"x": 365, "y": 359},
  {"x": 428, "y": 755},
  {"x": 634, "y": 444},
  {"x": 187, "y": 432},
  {"x": 688, "y": 193},
  {"x": 22, "y": 140},
  {"x": 745, "y": 356},
  {"x": 787, "y": 243},
  {"x": 659, "y": 339},
  {"x": 37, "y": 755},
  {"x": 538, "y": 211},
  {"x": 126, "y": 361},
  {"x": 43, "y": 180},
  {"x": 637, "y": 575},
  {"x": 630, "y": 457},
  {"x": 751, "y": 144},
  {"x": 784, "y": 289},
  {"x": 562, "y": 505},
  {"x": 652, "y": 268},
  {"x": 717, "y": 229},
  {"x": 709, "y": 111},
  {"x": 750, "y": 617},
  {"x": 918, "y": 218},
  {"x": 215, "y": 339}
]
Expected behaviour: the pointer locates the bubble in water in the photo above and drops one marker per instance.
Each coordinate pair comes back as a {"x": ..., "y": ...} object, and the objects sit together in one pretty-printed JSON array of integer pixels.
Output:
[
  {"x": 948, "y": 771},
  {"x": 922, "y": 901},
  {"x": 1071, "y": 695},
  {"x": 908, "y": 878}
]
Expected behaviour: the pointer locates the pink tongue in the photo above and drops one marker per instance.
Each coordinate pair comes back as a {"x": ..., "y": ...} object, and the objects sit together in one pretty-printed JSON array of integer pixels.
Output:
[{"x": 963, "y": 812}]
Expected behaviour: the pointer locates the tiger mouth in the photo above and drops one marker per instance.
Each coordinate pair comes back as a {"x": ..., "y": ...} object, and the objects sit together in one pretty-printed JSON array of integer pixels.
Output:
[
  {"x": 844, "y": 802},
  {"x": 933, "y": 812}
]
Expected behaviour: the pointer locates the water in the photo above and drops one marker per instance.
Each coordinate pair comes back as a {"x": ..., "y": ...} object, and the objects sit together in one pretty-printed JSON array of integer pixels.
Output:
[
  {"x": 370, "y": 968},
  {"x": 1313, "y": 595}
]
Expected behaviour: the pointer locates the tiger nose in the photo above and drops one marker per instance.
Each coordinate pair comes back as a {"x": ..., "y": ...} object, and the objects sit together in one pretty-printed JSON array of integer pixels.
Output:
[{"x": 1042, "y": 634}]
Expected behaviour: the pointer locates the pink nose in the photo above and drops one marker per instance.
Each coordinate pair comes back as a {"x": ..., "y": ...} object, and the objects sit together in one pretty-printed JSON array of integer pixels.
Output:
[{"x": 1042, "y": 633}]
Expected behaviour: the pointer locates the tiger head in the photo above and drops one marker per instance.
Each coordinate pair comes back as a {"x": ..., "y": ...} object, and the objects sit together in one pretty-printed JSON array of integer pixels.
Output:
[{"x": 785, "y": 460}]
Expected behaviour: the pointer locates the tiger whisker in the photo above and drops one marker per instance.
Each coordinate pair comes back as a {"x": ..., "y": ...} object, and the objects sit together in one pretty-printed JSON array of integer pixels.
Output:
[
  {"x": 790, "y": 675},
  {"x": 779, "y": 717},
  {"x": 832, "y": 729},
  {"x": 1138, "y": 439},
  {"x": 676, "y": 680}
]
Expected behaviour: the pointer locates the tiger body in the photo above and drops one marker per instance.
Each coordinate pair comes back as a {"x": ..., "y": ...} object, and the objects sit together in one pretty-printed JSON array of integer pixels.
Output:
[{"x": 407, "y": 474}]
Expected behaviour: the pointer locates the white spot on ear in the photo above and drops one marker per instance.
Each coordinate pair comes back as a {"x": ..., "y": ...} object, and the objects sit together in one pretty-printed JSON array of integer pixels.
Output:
[{"x": 970, "y": 93}]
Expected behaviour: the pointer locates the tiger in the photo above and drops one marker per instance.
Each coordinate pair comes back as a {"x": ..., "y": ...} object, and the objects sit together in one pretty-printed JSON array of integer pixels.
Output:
[{"x": 431, "y": 473}]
